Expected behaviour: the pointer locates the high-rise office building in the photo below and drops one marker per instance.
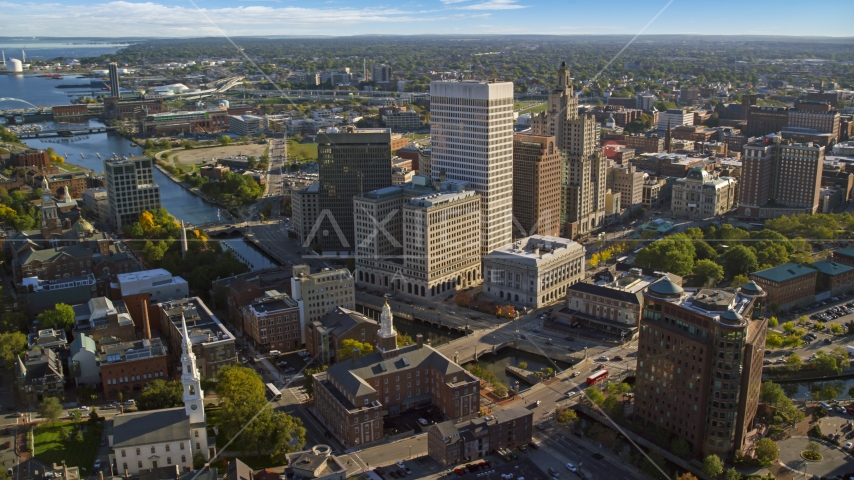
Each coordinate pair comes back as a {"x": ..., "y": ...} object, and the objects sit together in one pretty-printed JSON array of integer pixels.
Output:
[
  {"x": 472, "y": 141},
  {"x": 130, "y": 189},
  {"x": 585, "y": 169},
  {"x": 699, "y": 365},
  {"x": 536, "y": 186},
  {"x": 780, "y": 178},
  {"x": 381, "y": 73},
  {"x": 429, "y": 243},
  {"x": 114, "y": 80},
  {"x": 350, "y": 162}
]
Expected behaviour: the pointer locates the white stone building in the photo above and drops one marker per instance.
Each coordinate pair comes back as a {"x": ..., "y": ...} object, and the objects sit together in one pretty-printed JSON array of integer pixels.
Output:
[{"x": 533, "y": 271}]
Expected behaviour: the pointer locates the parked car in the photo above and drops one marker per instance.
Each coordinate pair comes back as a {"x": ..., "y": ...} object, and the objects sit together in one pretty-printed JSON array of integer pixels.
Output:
[
  {"x": 97, "y": 464},
  {"x": 575, "y": 374},
  {"x": 400, "y": 465},
  {"x": 618, "y": 358},
  {"x": 422, "y": 421},
  {"x": 571, "y": 467},
  {"x": 847, "y": 446}
]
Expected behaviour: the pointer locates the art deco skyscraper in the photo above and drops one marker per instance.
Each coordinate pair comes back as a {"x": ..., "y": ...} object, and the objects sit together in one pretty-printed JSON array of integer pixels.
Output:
[
  {"x": 472, "y": 140},
  {"x": 585, "y": 170}
]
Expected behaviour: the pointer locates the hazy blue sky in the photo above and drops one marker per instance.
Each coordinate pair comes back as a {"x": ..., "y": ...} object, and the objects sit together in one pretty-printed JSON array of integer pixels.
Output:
[{"x": 355, "y": 17}]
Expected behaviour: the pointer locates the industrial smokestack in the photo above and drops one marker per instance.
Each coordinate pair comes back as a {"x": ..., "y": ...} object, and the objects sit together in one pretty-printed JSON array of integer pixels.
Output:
[{"x": 146, "y": 325}]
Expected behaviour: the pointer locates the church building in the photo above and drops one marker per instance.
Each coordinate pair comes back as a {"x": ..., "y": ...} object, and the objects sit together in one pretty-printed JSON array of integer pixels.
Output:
[{"x": 168, "y": 437}]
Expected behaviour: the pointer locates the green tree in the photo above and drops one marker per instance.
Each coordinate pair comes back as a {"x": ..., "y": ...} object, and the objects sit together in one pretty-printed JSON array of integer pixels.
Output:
[
  {"x": 674, "y": 253},
  {"x": 244, "y": 406},
  {"x": 161, "y": 394},
  {"x": 793, "y": 362},
  {"x": 813, "y": 446},
  {"x": 348, "y": 346},
  {"x": 739, "y": 280},
  {"x": 789, "y": 327},
  {"x": 835, "y": 328},
  {"x": 224, "y": 140},
  {"x": 704, "y": 251},
  {"x": 567, "y": 416},
  {"x": 594, "y": 395},
  {"x": 713, "y": 466},
  {"x": 766, "y": 450},
  {"x": 51, "y": 409},
  {"x": 731, "y": 474},
  {"x": 705, "y": 270},
  {"x": 61, "y": 317},
  {"x": 680, "y": 447},
  {"x": 739, "y": 260},
  {"x": 78, "y": 436},
  {"x": 76, "y": 417},
  {"x": 12, "y": 346},
  {"x": 773, "y": 322},
  {"x": 523, "y": 364}
]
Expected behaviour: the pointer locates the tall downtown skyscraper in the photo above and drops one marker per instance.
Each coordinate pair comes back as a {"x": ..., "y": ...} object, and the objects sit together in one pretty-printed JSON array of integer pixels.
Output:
[
  {"x": 472, "y": 140},
  {"x": 586, "y": 168},
  {"x": 114, "y": 80}
]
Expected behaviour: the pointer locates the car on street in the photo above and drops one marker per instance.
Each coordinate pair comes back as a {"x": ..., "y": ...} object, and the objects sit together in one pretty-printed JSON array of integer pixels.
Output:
[
  {"x": 575, "y": 374},
  {"x": 129, "y": 402},
  {"x": 84, "y": 408},
  {"x": 534, "y": 445},
  {"x": 97, "y": 464},
  {"x": 422, "y": 421},
  {"x": 618, "y": 358},
  {"x": 571, "y": 467},
  {"x": 400, "y": 465},
  {"x": 847, "y": 446},
  {"x": 603, "y": 358},
  {"x": 840, "y": 409},
  {"x": 408, "y": 471}
]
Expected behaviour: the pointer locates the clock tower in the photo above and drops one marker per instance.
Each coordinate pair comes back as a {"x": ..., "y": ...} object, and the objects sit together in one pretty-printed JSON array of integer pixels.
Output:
[
  {"x": 386, "y": 337},
  {"x": 193, "y": 394}
]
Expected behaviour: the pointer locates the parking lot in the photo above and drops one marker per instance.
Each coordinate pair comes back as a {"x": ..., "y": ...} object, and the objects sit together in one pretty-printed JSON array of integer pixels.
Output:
[{"x": 412, "y": 420}]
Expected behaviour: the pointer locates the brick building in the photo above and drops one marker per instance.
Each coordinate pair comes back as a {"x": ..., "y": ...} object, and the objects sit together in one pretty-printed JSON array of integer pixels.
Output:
[
  {"x": 77, "y": 183},
  {"x": 645, "y": 144},
  {"x": 212, "y": 343},
  {"x": 272, "y": 322},
  {"x": 844, "y": 255},
  {"x": 116, "y": 108},
  {"x": 450, "y": 444},
  {"x": 788, "y": 285},
  {"x": 39, "y": 375},
  {"x": 835, "y": 277},
  {"x": 128, "y": 367},
  {"x": 30, "y": 158},
  {"x": 353, "y": 397},
  {"x": 699, "y": 365},
  {"x": 241, "y": 290},
  {"x": 323, "y": 337},
  {"x": 764, "y": 120},
  {"x": 536, "y": 185}
]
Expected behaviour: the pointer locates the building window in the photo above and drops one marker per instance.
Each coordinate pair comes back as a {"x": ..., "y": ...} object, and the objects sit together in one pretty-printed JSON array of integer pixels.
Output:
[{"x": 124, "y": 454}]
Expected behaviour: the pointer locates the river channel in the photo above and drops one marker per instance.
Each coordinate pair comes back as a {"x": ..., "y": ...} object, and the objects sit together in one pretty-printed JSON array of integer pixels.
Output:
[{"x": 182, "y": 204}]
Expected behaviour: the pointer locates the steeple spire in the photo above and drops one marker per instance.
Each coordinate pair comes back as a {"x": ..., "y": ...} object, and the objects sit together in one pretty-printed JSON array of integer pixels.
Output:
[
  {"x": 192, "y": 385},
  {"x": 387, "y": 337}
]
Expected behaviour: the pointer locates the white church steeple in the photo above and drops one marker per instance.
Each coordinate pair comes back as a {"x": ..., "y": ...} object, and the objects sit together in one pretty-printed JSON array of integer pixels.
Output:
[
  {"x": 193, "y": 395},
  {"x": 387, "y": 337}
]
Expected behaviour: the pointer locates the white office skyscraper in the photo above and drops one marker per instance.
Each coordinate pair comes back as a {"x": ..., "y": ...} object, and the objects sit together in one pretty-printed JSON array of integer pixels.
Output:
[{"x": 472, "y": 140}]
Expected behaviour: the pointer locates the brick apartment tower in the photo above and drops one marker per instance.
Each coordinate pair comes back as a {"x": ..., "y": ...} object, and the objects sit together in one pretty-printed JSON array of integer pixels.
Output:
[{"x": 699, "y": 367}]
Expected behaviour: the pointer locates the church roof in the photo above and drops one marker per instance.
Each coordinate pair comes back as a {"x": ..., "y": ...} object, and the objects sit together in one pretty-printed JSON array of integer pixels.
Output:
[{"x": 146, "y": 428}]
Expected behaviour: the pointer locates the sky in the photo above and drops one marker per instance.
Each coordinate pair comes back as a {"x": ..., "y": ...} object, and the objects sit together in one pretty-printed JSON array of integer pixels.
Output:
[{"x": 195, "y": 18}]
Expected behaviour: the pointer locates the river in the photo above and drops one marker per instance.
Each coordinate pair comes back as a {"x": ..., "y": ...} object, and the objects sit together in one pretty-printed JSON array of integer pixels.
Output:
[{"x": 182, "y": 204}]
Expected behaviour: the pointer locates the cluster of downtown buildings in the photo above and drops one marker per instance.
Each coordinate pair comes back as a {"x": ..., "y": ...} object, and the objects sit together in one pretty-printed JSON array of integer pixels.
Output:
[{"x": 489, "y": 207}]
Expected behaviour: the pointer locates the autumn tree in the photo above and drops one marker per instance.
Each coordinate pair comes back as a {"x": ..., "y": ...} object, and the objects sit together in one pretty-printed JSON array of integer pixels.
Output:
[
  {"x": 348, "y": 346},
  {"x": 567, "y": 416}
]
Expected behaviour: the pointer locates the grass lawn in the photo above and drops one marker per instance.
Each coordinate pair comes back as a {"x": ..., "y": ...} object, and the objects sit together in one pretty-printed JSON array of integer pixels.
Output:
[
  {"x": 50, "y": 448},
  {"x": 302, "y": 152},
  {"x": 70, "y": 167},
  {"x": 535, "y": 109}
]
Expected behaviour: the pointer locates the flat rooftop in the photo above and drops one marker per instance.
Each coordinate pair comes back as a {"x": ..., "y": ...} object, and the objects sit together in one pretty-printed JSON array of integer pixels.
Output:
[{"x": 202, "y": 324}]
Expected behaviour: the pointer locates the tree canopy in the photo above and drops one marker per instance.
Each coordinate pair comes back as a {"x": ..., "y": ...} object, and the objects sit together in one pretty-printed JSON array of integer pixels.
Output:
[
  {"x": 161, "y": 394},
  {"x": 60, "y": 317}
]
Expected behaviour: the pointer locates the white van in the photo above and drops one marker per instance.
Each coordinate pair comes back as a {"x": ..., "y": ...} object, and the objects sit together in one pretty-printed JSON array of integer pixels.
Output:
[
  {"x": 826, "y": 406},
  {"x": 274, "y": 353}
]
